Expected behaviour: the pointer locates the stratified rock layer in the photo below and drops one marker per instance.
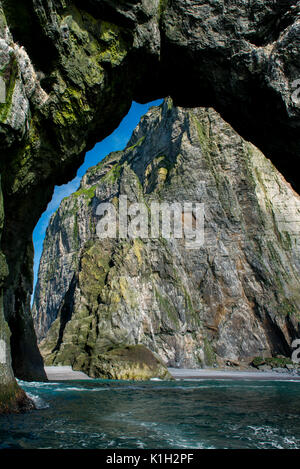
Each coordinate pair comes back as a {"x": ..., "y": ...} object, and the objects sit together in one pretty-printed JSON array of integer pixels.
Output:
[{"x": 233, "y": 298}]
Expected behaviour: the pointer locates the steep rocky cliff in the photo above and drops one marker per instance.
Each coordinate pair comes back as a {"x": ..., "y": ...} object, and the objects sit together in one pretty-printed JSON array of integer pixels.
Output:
[
  {"x": 12, "y": 397},
  {"x": 235, "y": 297},
  {"x": 71, "y": 69}
]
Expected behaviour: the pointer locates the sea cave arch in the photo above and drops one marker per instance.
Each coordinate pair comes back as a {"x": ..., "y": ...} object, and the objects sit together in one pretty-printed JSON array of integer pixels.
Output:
[{"x": 71, "y": 70}]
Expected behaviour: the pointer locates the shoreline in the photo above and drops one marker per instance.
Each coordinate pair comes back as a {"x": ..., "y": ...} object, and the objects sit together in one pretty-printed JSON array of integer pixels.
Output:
[
  {"x": 215, "y": 374},
  {"x": 65, "y": 373}
]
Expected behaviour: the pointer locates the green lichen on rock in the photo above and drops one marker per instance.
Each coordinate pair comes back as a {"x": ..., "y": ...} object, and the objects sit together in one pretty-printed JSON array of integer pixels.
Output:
[
  {"x": 13, "y": 399},
  {"x": 167, "y": 307},
  {"x": 209, "y": 353},
  {"x": 113, "y": 174},
  {"x": 72, "y": 108},
  {"x": 132, "y": 362},
  {"x": 273, "y": 362},
  {"x": 87, "y": 193},
  {"x": 136, "y": 144},
  {"x": 201, "y": 132},
  {"x": 93, "y": 270},
  {"x": 162, "y": 6},
  {"x": 9, "y": 75},
  {"x": 158, "y": 173}
]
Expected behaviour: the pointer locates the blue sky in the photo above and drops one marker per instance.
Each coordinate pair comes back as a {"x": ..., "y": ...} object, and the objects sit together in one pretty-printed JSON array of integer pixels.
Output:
[{"x": 116, "y": 141}]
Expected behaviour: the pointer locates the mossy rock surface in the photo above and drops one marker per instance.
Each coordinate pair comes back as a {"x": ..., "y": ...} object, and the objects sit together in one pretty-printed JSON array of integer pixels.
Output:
[
  {"x": 14, "y": 399},
  {"x": 273, "y": 362},
  {"x": 132, "y": 362}
]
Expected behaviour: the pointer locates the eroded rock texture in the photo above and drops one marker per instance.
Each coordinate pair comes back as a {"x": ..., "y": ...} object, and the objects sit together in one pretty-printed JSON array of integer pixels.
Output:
[
  {"x": 234, "y": 298},
  {"x": 71, "y": 69},
  {"x": 12, "y": 397}
]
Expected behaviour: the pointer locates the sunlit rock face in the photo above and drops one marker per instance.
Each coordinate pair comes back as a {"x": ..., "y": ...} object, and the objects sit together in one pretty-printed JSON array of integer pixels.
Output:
[
  {"x": 71, "y": 70},
  {"x": 234, "y": 297}
]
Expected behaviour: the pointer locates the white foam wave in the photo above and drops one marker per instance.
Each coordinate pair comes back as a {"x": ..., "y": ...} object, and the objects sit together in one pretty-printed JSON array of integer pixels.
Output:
[
  {"x": 38, "y": 401},
  {"x": 64, "y": 389}
]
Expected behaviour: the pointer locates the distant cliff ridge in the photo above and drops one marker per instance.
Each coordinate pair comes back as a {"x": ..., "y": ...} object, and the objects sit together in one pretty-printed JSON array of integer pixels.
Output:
[{"x": 235, "y": 297}]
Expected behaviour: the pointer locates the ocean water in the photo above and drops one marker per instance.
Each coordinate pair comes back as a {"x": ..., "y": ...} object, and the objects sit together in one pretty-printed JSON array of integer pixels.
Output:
[{"x": 157, "y": 414}]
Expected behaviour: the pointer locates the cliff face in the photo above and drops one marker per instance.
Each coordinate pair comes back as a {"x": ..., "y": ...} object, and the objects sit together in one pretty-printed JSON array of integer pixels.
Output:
[
  {"x": 235, "y": 297},
  {"x": 71, "y": 70},
  {"x": 12, "y": 397}
]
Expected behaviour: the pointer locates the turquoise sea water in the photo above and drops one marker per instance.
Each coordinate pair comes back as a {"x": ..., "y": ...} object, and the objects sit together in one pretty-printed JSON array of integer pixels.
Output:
[{"x": 156, "y": 414}]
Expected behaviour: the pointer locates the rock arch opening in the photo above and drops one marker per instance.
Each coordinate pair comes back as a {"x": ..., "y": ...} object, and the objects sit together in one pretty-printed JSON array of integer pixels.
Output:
[{"x": 97, "y": 58}]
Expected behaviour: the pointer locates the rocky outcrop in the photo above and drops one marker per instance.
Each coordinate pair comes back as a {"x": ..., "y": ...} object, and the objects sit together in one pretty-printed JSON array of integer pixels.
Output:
[
  {"x": 233, "y": 298},
  {"x": 71, "y": 69},
  {"x": 134, "y": 362}
]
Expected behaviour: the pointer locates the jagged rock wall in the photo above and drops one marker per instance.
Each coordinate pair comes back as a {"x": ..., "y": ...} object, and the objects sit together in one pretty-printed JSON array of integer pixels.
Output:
[
  {"x": 234, "y": 298},
  {"x": 71, "y": 69},
  {"x": 12, "y": 397}
]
